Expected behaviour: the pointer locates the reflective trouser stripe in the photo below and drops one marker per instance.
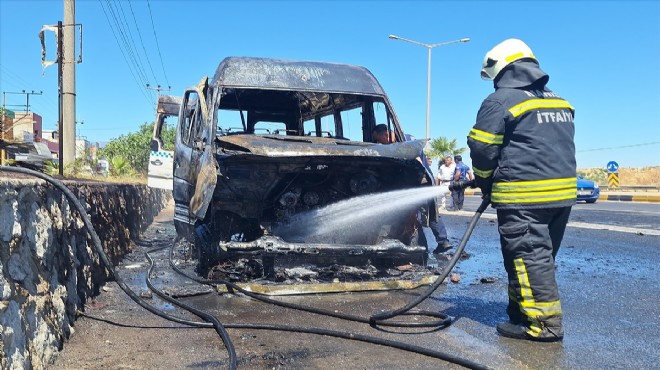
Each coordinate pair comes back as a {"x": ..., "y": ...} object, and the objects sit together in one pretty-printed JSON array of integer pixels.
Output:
[
  {"x": 528, "y": 306},
  {"x": 523, "y": 280}
]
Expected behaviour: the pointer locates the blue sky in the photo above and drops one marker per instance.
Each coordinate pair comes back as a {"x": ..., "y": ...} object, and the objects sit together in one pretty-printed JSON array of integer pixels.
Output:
[{"x": 604, "y": 57}]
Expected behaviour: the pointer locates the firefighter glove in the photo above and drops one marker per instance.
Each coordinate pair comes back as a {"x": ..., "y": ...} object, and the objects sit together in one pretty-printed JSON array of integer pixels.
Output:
[{"x": 485, "y": 184}]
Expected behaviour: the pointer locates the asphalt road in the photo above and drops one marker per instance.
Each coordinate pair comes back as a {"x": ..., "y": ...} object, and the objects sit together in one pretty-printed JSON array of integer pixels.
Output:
[
  {"x": 619, "y": 216},
  {"x": 607, "y": 272},
  {"x": 608, "y": 279}
]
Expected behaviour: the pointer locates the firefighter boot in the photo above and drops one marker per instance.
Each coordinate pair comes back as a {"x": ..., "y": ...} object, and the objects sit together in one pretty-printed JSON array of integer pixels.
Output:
[
  {"x": 442, "y": 247},
  {"x": 549, "y": 330}
]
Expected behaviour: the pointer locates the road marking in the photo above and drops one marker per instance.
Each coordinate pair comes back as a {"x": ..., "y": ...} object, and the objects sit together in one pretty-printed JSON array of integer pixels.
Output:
[
  {"x": 622, "y": 229},
  {"x": 589, "y": 208},
  {"x": 581, "y": 225}
]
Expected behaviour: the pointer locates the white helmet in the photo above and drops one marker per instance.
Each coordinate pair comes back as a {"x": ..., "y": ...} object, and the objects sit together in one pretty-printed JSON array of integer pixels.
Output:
[{"x": 503, "y": 54}]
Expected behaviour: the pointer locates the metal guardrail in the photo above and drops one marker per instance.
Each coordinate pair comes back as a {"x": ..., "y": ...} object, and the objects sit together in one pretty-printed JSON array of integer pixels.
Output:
[{"x": 633, "y": 188}]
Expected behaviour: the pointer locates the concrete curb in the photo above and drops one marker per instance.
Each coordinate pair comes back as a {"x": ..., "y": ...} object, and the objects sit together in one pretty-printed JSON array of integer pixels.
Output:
[
  {"x": 634, "y": 197},
  {"x": 631, "y": 197}
]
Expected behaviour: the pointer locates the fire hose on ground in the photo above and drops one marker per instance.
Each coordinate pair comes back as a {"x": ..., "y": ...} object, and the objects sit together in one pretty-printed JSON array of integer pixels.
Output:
[{"x": 211, "y": 321}]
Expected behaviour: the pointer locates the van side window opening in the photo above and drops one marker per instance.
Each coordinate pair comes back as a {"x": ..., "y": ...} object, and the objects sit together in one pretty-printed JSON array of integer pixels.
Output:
[
  {"x": 197, "y": 129},
  {"x": 351, "y": 121},
  {"x": 380, "y": 114},
  {"x": 328, "y": 126},
  {"x": 309, "y": 127},
  {"x": 270, "y": 128},
  {"x": 320, "y": 126},
  {"x": 229, "y": 121},
  {"x": 167, "y": 141},
  {"x": 191, "y": 114},
  {"x": 185, "y": 128}
]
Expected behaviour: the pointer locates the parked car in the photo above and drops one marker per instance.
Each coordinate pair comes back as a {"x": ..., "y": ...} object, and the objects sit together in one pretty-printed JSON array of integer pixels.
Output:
[
  {"x": 266, "y": 140},
  {"x": 587, "y": 190},
  {"x": 33, "y": 155}
]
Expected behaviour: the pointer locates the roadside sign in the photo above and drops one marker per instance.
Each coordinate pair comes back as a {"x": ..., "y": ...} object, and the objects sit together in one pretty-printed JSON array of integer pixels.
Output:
[
  {"x": 613, "y": 180},
  {"x": 612, "y": 166}
]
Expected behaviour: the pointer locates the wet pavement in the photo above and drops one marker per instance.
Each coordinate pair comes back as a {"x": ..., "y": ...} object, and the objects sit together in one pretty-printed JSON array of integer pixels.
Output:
[{"x": 608, "y": 283}]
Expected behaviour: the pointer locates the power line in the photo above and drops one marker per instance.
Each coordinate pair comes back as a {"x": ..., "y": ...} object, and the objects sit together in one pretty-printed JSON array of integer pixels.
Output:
[
  {"x": 131, "y": 41},
  {"x": 114, "y": 34},
  {"x": 619, "y": 147},
  {"x": 157, "y": 45},
  {"x": 18, "y": 82},
  {"x": 129, "y": 51},
  {"x": 142, "y": 42}
]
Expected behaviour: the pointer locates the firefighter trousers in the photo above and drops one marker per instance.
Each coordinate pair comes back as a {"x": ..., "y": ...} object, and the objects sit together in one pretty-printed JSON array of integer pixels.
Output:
[{"x": 530, "y": 240}]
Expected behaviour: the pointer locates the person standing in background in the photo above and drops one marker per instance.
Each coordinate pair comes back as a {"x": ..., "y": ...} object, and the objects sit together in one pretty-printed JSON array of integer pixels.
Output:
[
  {"x": 444, "y": 179},
  {"x": 462, "y": 173},
  {"x": 382, "y": 135}
]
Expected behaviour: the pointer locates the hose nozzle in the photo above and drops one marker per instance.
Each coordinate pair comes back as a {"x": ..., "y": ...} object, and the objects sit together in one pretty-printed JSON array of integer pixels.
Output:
[{"x": 462, "y": 184}]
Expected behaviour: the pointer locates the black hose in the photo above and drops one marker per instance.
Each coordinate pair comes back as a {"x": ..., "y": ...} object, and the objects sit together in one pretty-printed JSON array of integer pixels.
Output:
[
  {"x": 212, "y": 321},
  {"x": 96, "y": 241},
  {"x": 319, "y": 331}
]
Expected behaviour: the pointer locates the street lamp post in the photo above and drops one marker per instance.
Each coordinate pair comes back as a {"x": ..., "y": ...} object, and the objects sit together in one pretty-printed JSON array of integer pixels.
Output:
[{"x": 428, "y": 80}]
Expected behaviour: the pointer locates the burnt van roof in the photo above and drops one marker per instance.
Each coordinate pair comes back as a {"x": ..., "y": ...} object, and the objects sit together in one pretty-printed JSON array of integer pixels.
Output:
[{"x": 279, "y": 74}]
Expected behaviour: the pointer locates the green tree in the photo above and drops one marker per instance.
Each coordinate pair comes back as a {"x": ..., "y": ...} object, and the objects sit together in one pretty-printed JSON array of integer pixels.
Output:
[
  {"x": 134, "y": 148},
  {"x": 119, "y": 166},
  {"x": 168, "y": 135},
  {"x": 442, "y": 147}
]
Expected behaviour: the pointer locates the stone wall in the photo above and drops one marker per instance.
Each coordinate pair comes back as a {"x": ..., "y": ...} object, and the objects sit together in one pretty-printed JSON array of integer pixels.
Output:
[{"x": 48, "y": 266}]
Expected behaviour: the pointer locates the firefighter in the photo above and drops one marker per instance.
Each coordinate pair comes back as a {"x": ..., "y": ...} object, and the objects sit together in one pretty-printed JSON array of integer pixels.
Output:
[{"x": 523, "y": 156}]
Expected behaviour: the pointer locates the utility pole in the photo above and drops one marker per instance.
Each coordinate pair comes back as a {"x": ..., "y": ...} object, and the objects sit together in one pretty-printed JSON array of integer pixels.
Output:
[
  {"x": 158, "y": 89},
  {"x": 60, "y": 120},
  {"x": 68, "y": 67},
  {"x": 26, "y": 93},
  {"x": 66, "y": 80}
]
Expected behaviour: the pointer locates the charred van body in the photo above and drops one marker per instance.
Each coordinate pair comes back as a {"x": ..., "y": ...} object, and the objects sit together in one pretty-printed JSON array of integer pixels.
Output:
[{"x": 267, "y": 141}]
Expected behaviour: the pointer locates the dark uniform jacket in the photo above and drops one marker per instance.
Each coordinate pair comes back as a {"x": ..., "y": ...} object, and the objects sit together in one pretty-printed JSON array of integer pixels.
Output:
[{"x": 522, "y": 143}]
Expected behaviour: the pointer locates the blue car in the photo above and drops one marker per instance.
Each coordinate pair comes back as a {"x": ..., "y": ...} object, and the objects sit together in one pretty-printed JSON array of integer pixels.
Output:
[{"x": 587, "y": 190}]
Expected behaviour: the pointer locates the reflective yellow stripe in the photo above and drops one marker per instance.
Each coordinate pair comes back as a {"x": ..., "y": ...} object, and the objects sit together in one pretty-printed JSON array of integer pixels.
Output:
[
  {"x": 529, "y": 307},
  {"x": 534, "y": 329},
  {"x": 541, "y": 309},
  {"x": 534, "y": 197},
  {"x": 531, "y": 104},
  {"x": 482, "y": 173},
  {"x": 550, "y": 190},
  {"x": 523, "y": 280},
  {"x": 486, "y": 137},
  {"x": 513, "y": 57},
  {"x": 535, "y": 185},
  {"x": 517, "y": 56}
]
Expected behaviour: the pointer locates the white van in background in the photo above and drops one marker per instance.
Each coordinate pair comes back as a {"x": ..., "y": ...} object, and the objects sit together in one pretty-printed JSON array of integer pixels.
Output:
[{"x": 161, "y": 161}]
